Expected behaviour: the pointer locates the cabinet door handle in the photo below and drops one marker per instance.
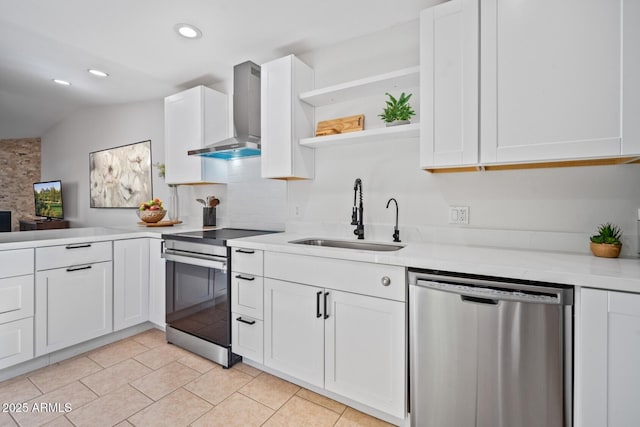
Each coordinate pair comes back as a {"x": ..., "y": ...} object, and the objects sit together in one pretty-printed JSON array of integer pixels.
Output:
[
  {"x": 245, "y": 251},
  {"x": 240, "y": 276},
  {"x": 88, "y": 245},
  {"x": 326, "y": 313},
  {"x": 318, "y": 314},
  {"x": 86, "y": 267},
  {"x": 248, "y": 322}
]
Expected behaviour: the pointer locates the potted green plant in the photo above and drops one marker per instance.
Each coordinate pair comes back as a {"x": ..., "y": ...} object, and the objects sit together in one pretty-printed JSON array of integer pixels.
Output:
[
  {"x": 398, "y": 110},
  {"x": 607, "y": 242}
]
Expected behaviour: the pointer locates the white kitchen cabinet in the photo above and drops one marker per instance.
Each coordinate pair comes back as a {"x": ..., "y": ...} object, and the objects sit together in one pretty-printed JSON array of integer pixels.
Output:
[
  {"x": 17, "y": 262},
  {"x": 339, "y": 325},
  {"x": 449, "y": 84},
  {"x": 551, "y": 91},
  {"x": 294, "y": 330},
  {"x": 130, "y": 282},
  {"x": 157, "y": 283},
  {"x": 73, "y": 304},
  {"x": 16, "y": 298},
  {"x": 247, "y": 295},
  {"x": 285, "y": 119},
  {"x": 193, "y": 119},
  {"x": 608, "y": 375},
  {"x": 16, "y": 342}
]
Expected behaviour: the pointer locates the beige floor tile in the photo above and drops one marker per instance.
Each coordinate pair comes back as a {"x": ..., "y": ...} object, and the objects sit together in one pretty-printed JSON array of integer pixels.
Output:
[
  {"x": 49, "y": 406},
  {"x": 300, "y": 412},
  {"x": 110, "y": 409},
  {"x": 165, "y": 380},
  {"x": 151, "y": 338},
  {"x": 125, "y": 423},
  {"x": 353, "y": 418},
  {"x": 235, "y": 411},
  {"x": 162, "y": 355},
  {"x": 198, "y": 363},
  {"x": 116, "y": 376},
  {"x": 117, "y": 352},
  {"x": 179, "y": 408},
  {"x": 56, "y": 376},
  {"x": 270, "y": 390},
  {"x": 218, "y": 384},
  {"x": 316, "y": 398},
  {"x": 249, "y": 370},
  {"x": 19, "y": 390},
  {"x": 59, "y": 422},
  {"x": 6, "y": 420}
]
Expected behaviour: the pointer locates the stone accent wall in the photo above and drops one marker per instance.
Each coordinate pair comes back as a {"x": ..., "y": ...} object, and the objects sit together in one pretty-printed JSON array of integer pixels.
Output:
[{"x": 20, "y": 163}]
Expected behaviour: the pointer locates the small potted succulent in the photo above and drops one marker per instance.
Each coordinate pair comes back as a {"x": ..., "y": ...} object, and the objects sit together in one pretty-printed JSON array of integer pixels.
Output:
[
  {"x": 607, "y": 242},
  {"x": 398, "y": 110}
]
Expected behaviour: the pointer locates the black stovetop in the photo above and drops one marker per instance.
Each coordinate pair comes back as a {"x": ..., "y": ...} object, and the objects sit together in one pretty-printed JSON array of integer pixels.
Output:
[{"x": 215, "y": 237}]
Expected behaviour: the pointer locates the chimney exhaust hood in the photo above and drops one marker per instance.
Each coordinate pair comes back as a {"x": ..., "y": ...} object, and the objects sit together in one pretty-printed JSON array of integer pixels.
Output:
[{"x": 246, "y": 117}]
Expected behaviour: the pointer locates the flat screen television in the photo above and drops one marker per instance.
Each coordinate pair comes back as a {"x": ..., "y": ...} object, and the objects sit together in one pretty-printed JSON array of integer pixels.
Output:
[{"x": 48, "y": 199}]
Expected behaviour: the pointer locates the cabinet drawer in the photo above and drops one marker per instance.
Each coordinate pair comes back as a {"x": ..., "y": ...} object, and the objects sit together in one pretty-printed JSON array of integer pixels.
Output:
[
  {"x": 247, "y": 261},
  {"x": 247, "y": 337},
  {"x": 74, "y": 254},
  {"x": 378, "y": 280},
  {"x": 16, "y": 263},
  {"x": 16, "y": 342},
  {"x": 624, "y": 303},
  {"x": 247, "y": 295},
  {"x": 16, "y": 298}
]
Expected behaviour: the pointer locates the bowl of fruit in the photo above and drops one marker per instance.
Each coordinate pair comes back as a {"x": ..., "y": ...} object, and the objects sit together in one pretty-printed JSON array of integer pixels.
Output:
[{"x": 151, "y": 211}]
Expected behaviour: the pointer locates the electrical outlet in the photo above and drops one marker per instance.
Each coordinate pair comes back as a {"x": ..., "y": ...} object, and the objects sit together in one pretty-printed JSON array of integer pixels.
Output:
[
  {"x": 296, "y": 211},
  {"x": 458, "y": 214}
]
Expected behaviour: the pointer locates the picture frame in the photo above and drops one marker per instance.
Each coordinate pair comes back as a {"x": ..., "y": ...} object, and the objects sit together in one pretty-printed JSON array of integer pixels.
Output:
[{"x": 120, "y": 177}]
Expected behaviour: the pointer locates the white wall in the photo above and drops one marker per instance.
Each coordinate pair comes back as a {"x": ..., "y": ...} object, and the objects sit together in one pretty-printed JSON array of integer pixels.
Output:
[{"x": 552, "y": 209}]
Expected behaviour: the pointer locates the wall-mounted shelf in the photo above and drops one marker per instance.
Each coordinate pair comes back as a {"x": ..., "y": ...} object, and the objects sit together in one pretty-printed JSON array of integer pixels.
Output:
[
  {"x": 365, "y": 136},
  {"x": 375, "y": 85}
]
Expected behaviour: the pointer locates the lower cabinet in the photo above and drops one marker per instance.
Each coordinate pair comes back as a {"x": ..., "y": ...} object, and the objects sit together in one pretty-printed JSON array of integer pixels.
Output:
[
  {"x": 130, "y": 282},
  {"x": 73, "y": 305},
  {"x": 16, "y": 342},
  {"x": 157, "y": 283},
  {"x": 350, "y": 344},
  {"x": 608, "y": 374}
]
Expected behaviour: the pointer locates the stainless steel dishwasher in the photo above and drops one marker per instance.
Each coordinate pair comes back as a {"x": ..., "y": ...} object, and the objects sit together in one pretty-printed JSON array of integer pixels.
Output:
[{"x": 489, "y": 352}]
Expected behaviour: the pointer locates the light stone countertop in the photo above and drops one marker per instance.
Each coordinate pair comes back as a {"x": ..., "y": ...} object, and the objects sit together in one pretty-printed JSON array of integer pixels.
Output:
[{"x": 622, "y": 274}]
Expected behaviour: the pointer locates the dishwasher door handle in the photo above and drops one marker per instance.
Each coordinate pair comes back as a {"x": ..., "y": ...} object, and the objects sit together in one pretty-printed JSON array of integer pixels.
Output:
[{"x": 477, "y": 300}]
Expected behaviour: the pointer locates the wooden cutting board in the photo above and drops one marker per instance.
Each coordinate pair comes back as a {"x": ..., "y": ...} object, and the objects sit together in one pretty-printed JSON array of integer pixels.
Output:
[
  {"x": 160, "y": 223},
  {"x": 341, "y": 125}
]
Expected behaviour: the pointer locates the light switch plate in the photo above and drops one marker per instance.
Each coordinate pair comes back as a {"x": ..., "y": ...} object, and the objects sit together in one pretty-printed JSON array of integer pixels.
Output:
[{"x": 458, "y": 214}]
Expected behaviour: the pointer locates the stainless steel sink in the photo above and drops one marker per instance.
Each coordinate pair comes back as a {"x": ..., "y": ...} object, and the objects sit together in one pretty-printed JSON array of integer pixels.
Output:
[{"x": 349, "y": 244}]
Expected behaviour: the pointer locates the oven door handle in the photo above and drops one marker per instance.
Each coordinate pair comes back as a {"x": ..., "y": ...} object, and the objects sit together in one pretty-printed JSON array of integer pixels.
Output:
[{"x": 199, "y": 260}]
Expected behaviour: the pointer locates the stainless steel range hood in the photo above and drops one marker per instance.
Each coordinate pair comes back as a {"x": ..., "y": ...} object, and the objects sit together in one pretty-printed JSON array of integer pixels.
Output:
[{"x": 246, "y": 117}]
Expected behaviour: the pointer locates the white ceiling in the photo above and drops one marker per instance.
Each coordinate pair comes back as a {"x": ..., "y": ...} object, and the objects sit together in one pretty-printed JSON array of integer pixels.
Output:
[{"x": 134, "y": 41}]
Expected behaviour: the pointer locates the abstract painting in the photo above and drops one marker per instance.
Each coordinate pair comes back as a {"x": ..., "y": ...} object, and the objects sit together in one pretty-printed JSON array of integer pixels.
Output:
[{"x": 120, "y": 177}]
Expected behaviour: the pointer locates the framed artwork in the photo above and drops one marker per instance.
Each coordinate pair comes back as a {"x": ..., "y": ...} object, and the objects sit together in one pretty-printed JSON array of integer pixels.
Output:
[{"x": 120, "y": 177}]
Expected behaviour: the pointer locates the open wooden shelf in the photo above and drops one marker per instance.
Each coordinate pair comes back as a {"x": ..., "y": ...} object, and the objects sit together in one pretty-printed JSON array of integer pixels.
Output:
[{"x": 372, "y": 135}]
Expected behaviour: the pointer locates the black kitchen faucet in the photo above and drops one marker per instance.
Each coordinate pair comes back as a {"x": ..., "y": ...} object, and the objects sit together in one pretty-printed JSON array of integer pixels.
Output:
[{"x": 357, "y": 215}]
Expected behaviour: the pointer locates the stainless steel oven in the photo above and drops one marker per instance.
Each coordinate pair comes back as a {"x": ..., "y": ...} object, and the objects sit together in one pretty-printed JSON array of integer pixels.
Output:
[{"x": 198, "y": 291}]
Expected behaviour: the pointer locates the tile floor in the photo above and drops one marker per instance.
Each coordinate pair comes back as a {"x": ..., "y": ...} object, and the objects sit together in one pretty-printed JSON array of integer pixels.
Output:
[{"x": 143, "y": 381}]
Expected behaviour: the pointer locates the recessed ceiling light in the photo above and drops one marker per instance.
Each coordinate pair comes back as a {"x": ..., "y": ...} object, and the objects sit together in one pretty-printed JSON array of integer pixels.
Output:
[
  {"x": 97, "y": 72},
  {"x": 188, "y": 31},
  {"x": 62, "y": 82}
]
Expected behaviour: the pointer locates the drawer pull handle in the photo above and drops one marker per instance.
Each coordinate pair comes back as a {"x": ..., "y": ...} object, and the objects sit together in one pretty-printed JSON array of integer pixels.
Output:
[
  {"x": 88, "y": 245},
  {"x": 86, "y": 267},
  {"x": 240, "y": 276},
  {"x": 326, "y": 312},
  {"x": 245, "y": 251},
  {"x": 385, "y": 281},
  {"x": 248, "y": 322},
  {"x": 318, "y": 314}
]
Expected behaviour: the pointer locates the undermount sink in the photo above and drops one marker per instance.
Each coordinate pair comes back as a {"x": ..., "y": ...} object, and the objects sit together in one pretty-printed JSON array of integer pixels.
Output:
[{"x": 349, "y": 244}]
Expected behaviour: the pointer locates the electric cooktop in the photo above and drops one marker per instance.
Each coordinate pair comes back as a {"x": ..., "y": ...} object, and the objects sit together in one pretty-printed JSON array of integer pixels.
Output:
[{"x": 215, "y": 237}]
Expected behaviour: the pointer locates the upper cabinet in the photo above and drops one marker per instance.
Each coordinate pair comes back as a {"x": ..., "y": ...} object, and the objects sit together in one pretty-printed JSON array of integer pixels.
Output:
[
  {"x": 285, "y": 119},
  {"x": 449, "y": 84},
  {"x": 194, "y": 118},
  {"x": 557, "y": 82}
]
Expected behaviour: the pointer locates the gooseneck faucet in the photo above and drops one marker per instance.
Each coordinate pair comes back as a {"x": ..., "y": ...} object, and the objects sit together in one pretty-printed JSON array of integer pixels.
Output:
[
  {"x": 396, "y": 231},
  {"x": 357, "y": 214}
]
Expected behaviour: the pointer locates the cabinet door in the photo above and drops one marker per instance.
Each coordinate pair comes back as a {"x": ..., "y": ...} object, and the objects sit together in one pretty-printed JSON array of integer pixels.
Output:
[
  {"x": 157, "y": 283},
  {"x": 247, "y": 335},
  {"x": 73, "y": 305},
  {"x": 550, "y": 79},
  {"x": 16, "y": 342},
  {"x": 293, "y": 331},
  {"x": 130, "y": 282},
  {"x": 285, "y": 119},
  {"x": 449, "y": 84},
  {"x": 608, "y": 373},
  {"x": 365, "y": 350}
]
